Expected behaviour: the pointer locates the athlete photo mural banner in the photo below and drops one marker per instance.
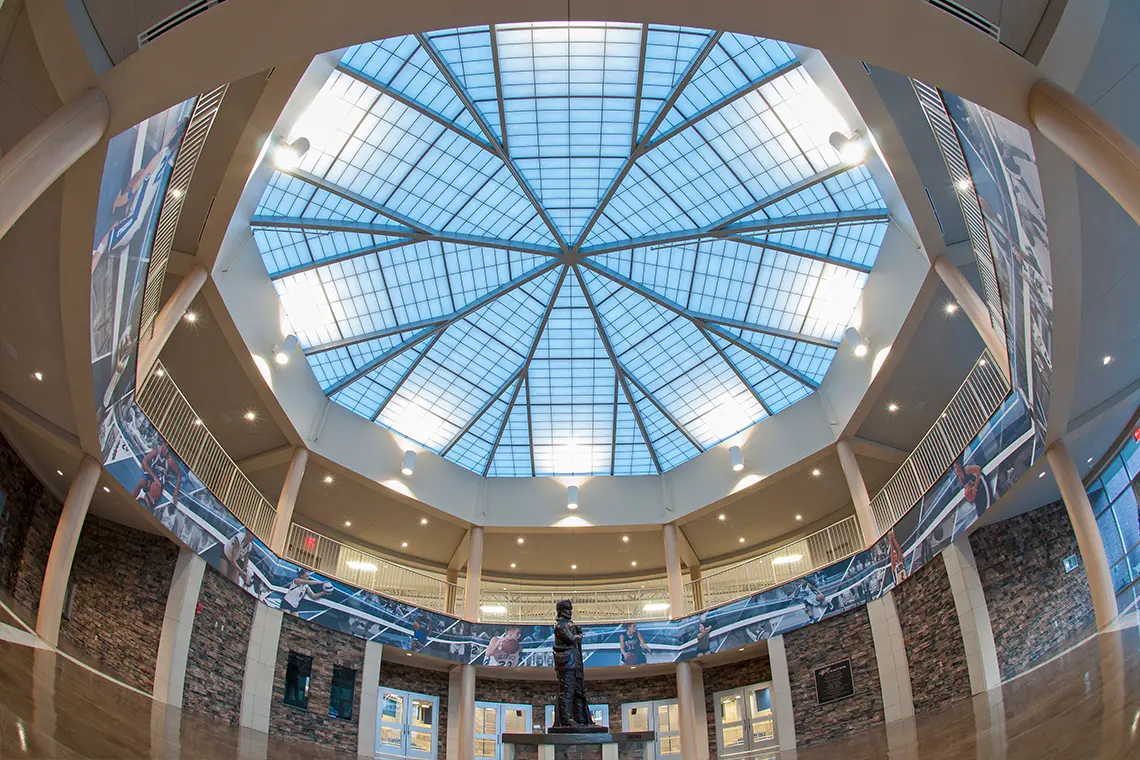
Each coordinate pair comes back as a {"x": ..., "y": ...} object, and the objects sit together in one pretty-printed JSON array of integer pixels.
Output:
[
  {"x": 139, "y": 458},
  {"x": 1003, "y": 167}
]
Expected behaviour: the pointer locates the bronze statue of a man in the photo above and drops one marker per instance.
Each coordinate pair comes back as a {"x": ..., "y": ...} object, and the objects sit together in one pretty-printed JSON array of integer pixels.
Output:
[{"x": 572, "y": 711}]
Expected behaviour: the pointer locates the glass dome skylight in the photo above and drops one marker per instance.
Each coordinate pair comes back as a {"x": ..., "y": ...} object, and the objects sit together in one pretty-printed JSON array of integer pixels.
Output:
[{"x": 544, "y": 249}]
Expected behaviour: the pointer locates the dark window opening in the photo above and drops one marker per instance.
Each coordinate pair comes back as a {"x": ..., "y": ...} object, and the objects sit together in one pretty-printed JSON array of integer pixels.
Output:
[
  {"x": 298, "y": 671},
  {"x": 340, "y": 697}
]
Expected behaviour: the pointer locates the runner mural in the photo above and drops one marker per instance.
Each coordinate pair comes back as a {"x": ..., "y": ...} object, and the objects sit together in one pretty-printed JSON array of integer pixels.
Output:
[{"x": 136, "y": 454}]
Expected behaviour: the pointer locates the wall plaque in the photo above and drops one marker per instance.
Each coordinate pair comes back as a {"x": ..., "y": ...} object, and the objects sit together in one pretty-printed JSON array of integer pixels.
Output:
[{"x": 834, "y": 682}]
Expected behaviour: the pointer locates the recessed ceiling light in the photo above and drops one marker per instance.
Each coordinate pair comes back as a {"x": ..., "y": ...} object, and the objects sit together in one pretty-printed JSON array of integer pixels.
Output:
[
  {"x": 191, "y": 316},
  {"x": 348, "y": 523},
  {"x": 633, "y": 564},
  {"x": 740, "y": 650},
  {"x": 197, "y": 422},
  {"x": 816, "y": 472},
  {"x": 951, "y": 307},
  {"x": 403, "y": 544},
  {"x": 513, "y": 565},
  {"x": 1041, "y": 474},
  {"x": 1090, "y": 460},
  {"x": 106, "y": 490},
  {"x": 981, "y": 362},
  {"x": 721, "y": 516},
  {"x": 176, "y": 192},
  {"x": 741, "y": 539},
  {"x": 633, "y": 667},
  {"x": 160, "y": 372},
  {"x": 964, "y": 184},
  {"x": 892, "y": 407},
  {"x": 799, "y": 517},
  {"x": 520, "y": 540},
  {"x": 38, "y": 375},
  {"x": 251, "y": 416},
  {"x": 59, "y": 473},
  {"x": 573, "y": 567},
  {"x": 625, "y": 539},
  {"x": 861, "y": 349},
  {"x": 1106, "y": 360},
  {"x": 423, "y": 521},
  {"x": 408, "y": 654},
  {"x": 328, "y": 480}
]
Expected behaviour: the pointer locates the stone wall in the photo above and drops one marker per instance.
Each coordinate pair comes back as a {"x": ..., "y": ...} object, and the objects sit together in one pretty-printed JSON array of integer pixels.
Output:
[
  {"x": 1036, "y": 609},
  {"x": 215, "y": 664},
  {"x": 732, "y": 676},
  {"x": 122, "y": 577},
  {"x": 27, "y": 526},
  {"x": 433, "y": 683},
  {"x": 328, "y": 648},
  {"x": 933, "y": 638},
  {"x": 846, "y": 636}
]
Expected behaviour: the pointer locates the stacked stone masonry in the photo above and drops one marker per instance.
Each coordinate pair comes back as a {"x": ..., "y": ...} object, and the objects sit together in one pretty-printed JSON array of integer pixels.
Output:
[
  {"x": 1036, "y": 609},
  {"x": 846, "y": 636},
  {"x": 328, "y": 649},
  {"x": 121, "y": 578},
  {"x": 215, "y": 664},
  {"x": 433, "y": 683},
  {"x": 733, "y": 676},
  {"x": 934, "y": 649},
  {"x": 28, "y": 516}
]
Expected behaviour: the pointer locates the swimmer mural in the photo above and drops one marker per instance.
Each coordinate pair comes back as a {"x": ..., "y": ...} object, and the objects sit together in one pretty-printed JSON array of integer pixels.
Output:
[{"x": 136, "y": 454}]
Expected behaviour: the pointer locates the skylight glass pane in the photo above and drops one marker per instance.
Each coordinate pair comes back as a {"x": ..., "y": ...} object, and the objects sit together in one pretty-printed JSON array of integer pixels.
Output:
[
  {"x": 512, "y": 457},
  {"x": 467, "y": 53}
]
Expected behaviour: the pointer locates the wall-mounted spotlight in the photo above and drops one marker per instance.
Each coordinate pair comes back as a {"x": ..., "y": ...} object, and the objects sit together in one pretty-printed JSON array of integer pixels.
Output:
[
  {"x": 571, "y": 497},
  {"x": 859, "y": 347},
  {"x": 408, "y": 465},
  {"x": 287, "y": 156},
  {"x": 852, "y": 150},
  {"x": 283, "y": 352},
  {"x": 736, "y": 458}
]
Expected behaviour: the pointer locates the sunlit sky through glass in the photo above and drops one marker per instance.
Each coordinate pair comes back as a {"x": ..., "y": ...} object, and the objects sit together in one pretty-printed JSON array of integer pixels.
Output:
[{"x": 557, "y": 249}]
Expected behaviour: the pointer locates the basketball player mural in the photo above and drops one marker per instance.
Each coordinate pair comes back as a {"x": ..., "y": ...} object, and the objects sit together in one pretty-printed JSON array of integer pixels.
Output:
[
  {"x": 572, "y": 711},
  {"x": 159, "y": 466}
]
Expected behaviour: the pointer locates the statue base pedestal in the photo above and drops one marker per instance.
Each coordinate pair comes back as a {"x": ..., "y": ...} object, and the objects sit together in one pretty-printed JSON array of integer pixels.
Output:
[
  {"x": 578, "y": 730},
  {"x": 604, "y": 739}
]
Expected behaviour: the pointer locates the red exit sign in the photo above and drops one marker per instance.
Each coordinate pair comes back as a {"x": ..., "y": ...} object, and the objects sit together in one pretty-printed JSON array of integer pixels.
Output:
[{"x": 1136, "y": 435}]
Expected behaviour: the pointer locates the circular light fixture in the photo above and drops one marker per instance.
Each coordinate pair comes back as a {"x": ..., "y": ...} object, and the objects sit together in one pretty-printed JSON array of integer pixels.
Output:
[
  {"x": 799, "y": 517},
  {"x": 423, "y": 521},
  {"x": 965, "y": 184},
  {"x": 38, "y": 375},
  {"x": 1041, "y": 475},
  {"x": 741, "y": 539},
  {"x": 721, "y": 517},
  {"x": 106, "y": 489},
  {"x": 950, "y": 307},
  {"x": 513, "y": 565},
  {"x": 1090, "y": 460},
  {"x": 348, "y": 523},
  {"x": 625, "y": 539},
  {"x": 160, "y": 372},
  {"x": 328, "y": 480},
  {"x": 283, "y": 352},
  {"x": 852, "y": 150},
  {"x": 892, "y": 407},
  {"x": 250, "y": 415},
  {"x": 633, "y": 563},
  {"x": 736, "y": 458},
  {"x": 573, "y": 567},
  {"x": 403, "y": 544},
  {"x": 408, "y": 465},
  {"x": 177, "y": 192},
  {"x": 861, "y": 350},
  {"x": 197, "y": 422},
  {"x": 520, "y": 540},
  {"x": 816, "y": 472},
  {"x": 59, "y": 473},
  {"x": 287, "y": 156},
  {"x": 191, "y": 316},
  {"x": 859, "y": 346},
  {"x": 571, "y": 497},
  {"x": 981, "y": 362},
  {"x": 1106, "y": 360}
]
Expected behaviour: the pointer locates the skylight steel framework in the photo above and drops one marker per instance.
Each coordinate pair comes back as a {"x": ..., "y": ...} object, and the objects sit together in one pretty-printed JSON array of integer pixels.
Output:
[{"x": 542, "y": 249}]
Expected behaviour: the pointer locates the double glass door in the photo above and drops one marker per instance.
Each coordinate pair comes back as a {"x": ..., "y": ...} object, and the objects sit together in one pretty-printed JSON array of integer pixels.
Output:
[
  {"x": 599, "y": 713},
  {"x": 408, "y": 725},
  {"x": 661, "y": 716},
  {"x": 492, "y": 720},
  {"x": 745, "y": 725}
]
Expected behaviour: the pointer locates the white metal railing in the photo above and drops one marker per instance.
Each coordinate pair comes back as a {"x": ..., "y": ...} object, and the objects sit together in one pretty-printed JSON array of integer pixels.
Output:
[
  {"x": 604, "y": 604},
  {"x": 833, "y": 543},
  {"x": 975, "y": 401},
  {"x": 171, "y": 414},
  {"x": 331, "y": 557},
  {"x": 201, "y": 120}
]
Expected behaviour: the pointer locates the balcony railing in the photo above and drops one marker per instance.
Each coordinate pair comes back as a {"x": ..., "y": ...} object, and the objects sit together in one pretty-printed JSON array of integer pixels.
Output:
[
  {"x": 975, "y": 401},
  {"x": 171, "y": 414},
  {"x": 367, "y": 571},
  {"x": 802, "y": 556},
  {"x": 535, "y": 604}
]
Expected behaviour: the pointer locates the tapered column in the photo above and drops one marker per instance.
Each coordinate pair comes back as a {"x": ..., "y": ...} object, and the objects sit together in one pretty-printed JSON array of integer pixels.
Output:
[
  {"x": 466, "y": 712},
  {"x": 1088, "y": 535},
  {"x": 38, "y": 160},
  {"x": 975, "y": 309},
  {"x": 686, "y": 709},
  {"x": 858, "y": 488},
  {"x": 700, "y": 712},
  {"x": 1093, "y": 143},
  {"x": 260, "y": 662},
  {"x": 673, "y": 572},
  {"x": 454, "y": 700},
  {"x": 63, "y": 549},
  {"x": 890, "y": 656},
  {"x": 782, "y": 694},
  {"x": 167, "y": 319},
  {"x": 474, "y": 573},
  {"x": 177, "y": 625},
  {"x": 369, "y": 699},
  {"x": 973, "y": 616},
  {"x": 288, "y": 500}
]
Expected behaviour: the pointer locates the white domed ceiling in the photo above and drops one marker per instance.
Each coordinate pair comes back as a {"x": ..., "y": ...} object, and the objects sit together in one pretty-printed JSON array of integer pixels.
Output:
[{"x": 569, "y": 249}]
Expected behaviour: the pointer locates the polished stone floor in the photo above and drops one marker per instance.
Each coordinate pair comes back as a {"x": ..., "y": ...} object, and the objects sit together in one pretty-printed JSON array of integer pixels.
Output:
[{"x": 1084, "y": 704}]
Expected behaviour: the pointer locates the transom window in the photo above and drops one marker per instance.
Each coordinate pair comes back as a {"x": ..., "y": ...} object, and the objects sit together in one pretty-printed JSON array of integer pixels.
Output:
[{"x": 569, "y": 248}]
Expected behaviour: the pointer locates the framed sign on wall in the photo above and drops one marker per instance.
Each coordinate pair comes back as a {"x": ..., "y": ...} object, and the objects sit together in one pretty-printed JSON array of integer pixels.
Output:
[{"x": 834, "y": 682}]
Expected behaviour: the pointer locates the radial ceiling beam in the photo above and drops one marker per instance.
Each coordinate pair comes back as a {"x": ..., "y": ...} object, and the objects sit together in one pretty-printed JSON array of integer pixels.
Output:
[
  {"x": 440, "y": 327},
  {"x": 642, "y": 145},
  {"x": 404, "y": 377},
  {"x": 342, "y": 257},
  {"x": 667, "y": 239},
  {"x": 383, "y": 332},
  {"x": 644, "y": 47},
  {"x": 270, "y": 221},
  {"x": 796, "y": 251},
  {"x": 332, "y": 188},
  {"x": 481, "y": 411},
  {"x": 717, "y": 330},
  {"x": 661, "y": 408},
  {"x": 617, "y": 369},
  {"x": 729, "y": 99},
  {"x": 498, "y": 147},
  {"x": 736, "y": 371},
  {"x": 499, "y": 85},
  {"x": 783, "y": 194},
  {"x": 775, "y": 332}
]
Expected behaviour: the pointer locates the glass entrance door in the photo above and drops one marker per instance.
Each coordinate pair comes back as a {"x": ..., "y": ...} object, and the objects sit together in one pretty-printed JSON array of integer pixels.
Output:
[
  {"x": 762, "y": 723},
  {"x": 745, "y": 725},
  {"x": 661, "y": 716},
  {"x": 492, "y": 720},
  {"x": 407, "y": 725}
]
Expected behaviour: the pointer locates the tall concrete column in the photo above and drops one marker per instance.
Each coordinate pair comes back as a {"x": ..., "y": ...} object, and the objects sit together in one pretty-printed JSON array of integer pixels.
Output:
[
  {"x": 288, "y": 499},
  {"x": 782, "y": 694},
  {"x": 975, "y": 310},
  {"x": 260, "y": 662},
  {"x": 673, "y": 571},
  {"x": 1092, "y": 142},
  {"x": 63, "y": 549},
  {"x": 369, "y": 699},
  {"x": 177, "y": 625},
  {"x": 454, "y": 700},
  {"x": 474, "y": 576},
  {"x": 858, "y": 488},
  {"x": 686, "y": 709},
  {"x": 973, "y": 616},
  {"x": 45, "y": 153},
  {"x": 700, "y": 712},
  {"x": 467, "y": 712},
  {"x": 168, "y": 318},
  {"x": 890, "y": 656},
  {"x": 1088, "y": 535},
  {"x": 451, "y": 594}
]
